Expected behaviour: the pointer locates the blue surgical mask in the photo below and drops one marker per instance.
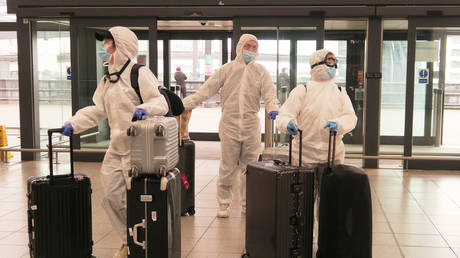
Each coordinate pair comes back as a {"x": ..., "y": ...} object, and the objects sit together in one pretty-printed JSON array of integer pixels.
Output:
[
  {"x": 102, "y": 52},
  {"x": 248, "y": 56},
  {"x": 331, "y": 71}
]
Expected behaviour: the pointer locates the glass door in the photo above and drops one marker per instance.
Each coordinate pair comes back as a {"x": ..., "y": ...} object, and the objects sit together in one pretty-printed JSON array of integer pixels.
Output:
[
  {"x": 347, "y": 40},
  {"x": 285, "y": 46},
  {"x": 88, "y": 69},
  {"x": 393, "y": 94},
  {"x": 195, "y": 49},
  {"x": 52, "y": 45},
  {"x": 436, "y": 80}
]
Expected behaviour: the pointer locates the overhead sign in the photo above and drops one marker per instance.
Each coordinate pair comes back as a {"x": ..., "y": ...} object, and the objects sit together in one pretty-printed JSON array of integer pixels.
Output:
[
  {"x": 427, "y": 51},
  {"x": 423, "y": 75}
]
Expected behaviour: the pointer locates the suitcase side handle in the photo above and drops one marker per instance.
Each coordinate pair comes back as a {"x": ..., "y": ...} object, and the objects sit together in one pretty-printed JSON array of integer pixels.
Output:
[
  {"x": 50, "y": 150},
  {"x": 135, "y": 240},
  {"x": 332, "y": 140}
]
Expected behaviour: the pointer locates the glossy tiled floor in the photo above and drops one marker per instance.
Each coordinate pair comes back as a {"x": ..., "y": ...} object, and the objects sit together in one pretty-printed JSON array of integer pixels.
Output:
[{"x": 416, "y": 213}]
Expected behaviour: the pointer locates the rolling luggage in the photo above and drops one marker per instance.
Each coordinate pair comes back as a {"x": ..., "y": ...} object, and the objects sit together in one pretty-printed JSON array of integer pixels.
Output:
[
  {"x": 154, "y": 145},
  {"x": 59, "y": 212},
  {"x": 153, "y": 216},
  {"x": 279, "y": 215},
  {"x": 345, "y": 210},
  {"x": 186, "y": 166}
]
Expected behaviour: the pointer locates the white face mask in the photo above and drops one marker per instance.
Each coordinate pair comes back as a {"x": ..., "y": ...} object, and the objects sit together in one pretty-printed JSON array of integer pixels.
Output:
[
  {"x": 248, "y": 56},
  {"x": 331, "y": 71}
]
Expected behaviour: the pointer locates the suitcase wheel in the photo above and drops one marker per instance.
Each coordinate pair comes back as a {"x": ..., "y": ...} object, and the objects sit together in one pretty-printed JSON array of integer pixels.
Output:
[
  {"x": 189, "y": 212},
  {"x": 245, "y": 255}
]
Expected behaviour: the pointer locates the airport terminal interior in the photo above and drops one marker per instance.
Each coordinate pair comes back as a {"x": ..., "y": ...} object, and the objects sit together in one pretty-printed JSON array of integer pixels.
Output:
[{"x": 398, "y": 62}]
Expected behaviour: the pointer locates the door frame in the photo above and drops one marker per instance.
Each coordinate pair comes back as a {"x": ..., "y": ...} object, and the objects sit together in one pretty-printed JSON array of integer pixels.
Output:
[{"x": 77, "y": 23}]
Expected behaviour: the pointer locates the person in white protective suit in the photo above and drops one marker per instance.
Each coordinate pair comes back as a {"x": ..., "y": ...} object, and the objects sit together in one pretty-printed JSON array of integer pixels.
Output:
[
  {"x": 116, "y": 100},
  {"x": 315, "y": 106},
  {"x": 242, "y": 83}
]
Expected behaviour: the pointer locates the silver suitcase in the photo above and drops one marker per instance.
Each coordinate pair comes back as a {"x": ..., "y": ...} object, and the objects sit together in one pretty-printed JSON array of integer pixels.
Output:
[{"x": 154, "y": 145}]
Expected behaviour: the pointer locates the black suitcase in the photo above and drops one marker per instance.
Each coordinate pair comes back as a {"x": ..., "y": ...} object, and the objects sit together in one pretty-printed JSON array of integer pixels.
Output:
[
  {"x": 153, "y": 217},
  {"x": 186, "y": 166},
  {"x": 279, "y": 215},
  {"x": 345, "y": 210},
  {"x": 59, "y": 212}
]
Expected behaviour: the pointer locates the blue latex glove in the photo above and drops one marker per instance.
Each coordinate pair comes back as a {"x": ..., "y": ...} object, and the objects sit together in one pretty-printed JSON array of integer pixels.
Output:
[
  {"x": 292, "y": 128},
  {"x": 272, "y": 115},
  {"x": 332, "y": 125},
  {"x": 139, "y": 113},
  {"x": 68, "y": 129}
]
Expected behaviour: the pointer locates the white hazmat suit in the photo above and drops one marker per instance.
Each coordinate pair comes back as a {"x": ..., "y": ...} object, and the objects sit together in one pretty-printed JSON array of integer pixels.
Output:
[
  {"x": 312, "y": 107},
  {"x": 117, "y": 101},
  {"x": 241, "y": 86}
]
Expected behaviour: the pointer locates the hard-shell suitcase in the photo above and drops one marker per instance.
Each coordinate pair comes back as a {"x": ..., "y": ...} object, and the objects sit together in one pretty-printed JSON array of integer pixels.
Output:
[
  {"x": 59, "y": 212},
  {"x": 154, "y": 145},
  {"x": 186, "y": 166},
  {"x": 345, "y": 210},
  {"x": 279, "y": 213},
  {"x": 153, "y": 216}
]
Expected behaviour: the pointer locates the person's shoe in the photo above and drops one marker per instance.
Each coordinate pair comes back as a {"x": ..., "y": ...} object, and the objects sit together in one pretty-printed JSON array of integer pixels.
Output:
[
  {"x": 223, "y": 211},
  {"x": 122, "y": 252},
  {"x": 243, "y": 210}
]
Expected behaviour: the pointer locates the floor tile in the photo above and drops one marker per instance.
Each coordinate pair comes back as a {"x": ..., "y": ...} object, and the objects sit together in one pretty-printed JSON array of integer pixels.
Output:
[
  {"x": 421, "y": 240},
  {"x": 427, "y": 252},
  {"x": 453, "y": 241},
  {"x": 412, "y": 228},
  {"x": 383, "y": 239},
  {"x": 383, "y": 251},
  {"x": 14, "y": 251}
]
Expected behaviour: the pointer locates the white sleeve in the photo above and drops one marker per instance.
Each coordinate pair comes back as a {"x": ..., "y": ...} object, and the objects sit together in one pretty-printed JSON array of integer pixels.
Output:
[
  {"x": 154, "y": 102},
  {"x": 347, "y": 120},
  {"x": 89, "y": 116},
  {"x": 269, "y": 93},
  {"x": 207, "y": 90},
  {"x": 291, "y": 108}
]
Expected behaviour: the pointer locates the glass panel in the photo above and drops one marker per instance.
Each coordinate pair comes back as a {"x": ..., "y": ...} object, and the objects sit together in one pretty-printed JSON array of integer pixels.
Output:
[
  {"x": 160, "y": 62},
  {"x": 347, "y": 39},
  {"x": 91, "y": 70},
  {"x": 451, "y": 127},
  {"x": 393, "y": 100},
  {"x": 304, "y": 50},
  {"x": 198, "y": 60},
  {"x": 276, "y": 55},
  {"x": 435, "y": 119},
  {"x": 9, "y": 89},
  {"x": 54, "y": 85},
  {"x": 4, "y": 16}
]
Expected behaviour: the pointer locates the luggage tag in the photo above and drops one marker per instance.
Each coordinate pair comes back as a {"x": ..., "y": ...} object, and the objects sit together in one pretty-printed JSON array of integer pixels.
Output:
[{"x": 183, "y": 176}]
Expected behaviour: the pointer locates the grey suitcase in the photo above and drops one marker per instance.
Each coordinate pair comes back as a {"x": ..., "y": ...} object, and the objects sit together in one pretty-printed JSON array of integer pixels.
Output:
[{"x": 154, "y": 145}]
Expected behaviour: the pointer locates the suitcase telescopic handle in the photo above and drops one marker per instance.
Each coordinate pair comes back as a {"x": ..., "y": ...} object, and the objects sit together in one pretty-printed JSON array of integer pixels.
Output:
[
  {"x": 300, "y": 148},
  {"x": 332, "y": 140},
  {"x": 50, "y": 150}
]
